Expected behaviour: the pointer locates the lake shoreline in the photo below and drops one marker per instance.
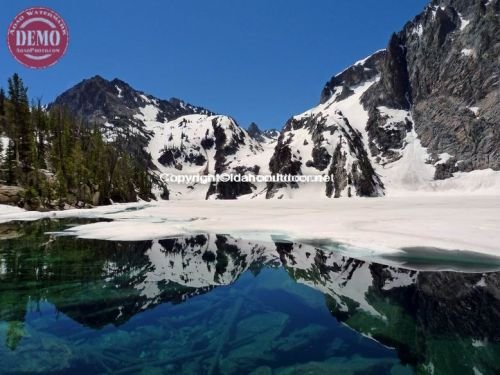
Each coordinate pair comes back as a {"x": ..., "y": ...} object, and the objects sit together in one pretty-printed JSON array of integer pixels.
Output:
[{"x": 383, "y": 225}]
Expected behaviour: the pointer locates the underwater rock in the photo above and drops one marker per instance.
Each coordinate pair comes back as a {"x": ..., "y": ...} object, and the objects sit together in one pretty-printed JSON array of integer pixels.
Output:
[
  {"x": 262, "y": 370},
  {"x": 36, "y": 354},
  {"x": 299, "y": 338},
  {"x": 268, "y": 325},
  {"x": 152, "y": 371},
  {"x": 14, "y": 335},
  {"x": 261, "y": 330},
  {"x": 340, "y": 365}
]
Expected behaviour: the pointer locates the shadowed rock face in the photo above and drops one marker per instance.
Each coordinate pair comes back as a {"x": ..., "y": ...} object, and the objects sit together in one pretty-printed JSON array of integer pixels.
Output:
[
  {"x": 443, "y": 69},
  {"x": 254, "y": 132},
  {"x": 445, "y": 66},
  {"x": 354, "y": 75},
  {"x": 262, "y": 136},
  {"x": 98, "y": 100}
]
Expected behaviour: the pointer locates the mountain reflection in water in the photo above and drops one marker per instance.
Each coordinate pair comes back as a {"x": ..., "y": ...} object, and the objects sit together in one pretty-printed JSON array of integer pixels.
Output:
[{"x": 213, "y": 304}]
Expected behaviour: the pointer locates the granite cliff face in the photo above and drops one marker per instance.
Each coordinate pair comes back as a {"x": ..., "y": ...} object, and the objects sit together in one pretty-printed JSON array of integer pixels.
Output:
[
  {"x": 425, "y": 109},
  {"x": 444, "y": 67}
]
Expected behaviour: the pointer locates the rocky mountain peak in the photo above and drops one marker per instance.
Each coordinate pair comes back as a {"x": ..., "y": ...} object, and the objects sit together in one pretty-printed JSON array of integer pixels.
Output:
[
  {"x": 261, "y": 136},
  {"x": 98, "y": 100},
  {"x": 254, "y": 131},
  {"x": 272, "y": 134},
  {"x": 465, "y": 7},
  {"x": 341, "y": 85}
]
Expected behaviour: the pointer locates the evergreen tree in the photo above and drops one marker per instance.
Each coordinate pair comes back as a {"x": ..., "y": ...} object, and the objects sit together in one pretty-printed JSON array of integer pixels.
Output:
[
  {"x": 40, "y": 126},
  {"x": 54, "y": 156},
  {"x": 2, "y": 103},
  {"x": 2, "y": 129},
  {"x": 18, "y": 123},
  {"x": 61, "y": 148},
  {"x": 9, "y": 164}
]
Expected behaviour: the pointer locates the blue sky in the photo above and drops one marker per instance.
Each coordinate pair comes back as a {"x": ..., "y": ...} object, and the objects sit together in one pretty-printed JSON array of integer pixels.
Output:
[{"x": 256, "y": 60}]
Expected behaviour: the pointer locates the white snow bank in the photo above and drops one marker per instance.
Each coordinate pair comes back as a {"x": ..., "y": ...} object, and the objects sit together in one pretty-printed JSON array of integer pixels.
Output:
[
  {"x": 474, "y": 110},
  {"x": 10, "y": 213},
  {"x": 419, "y": 30},
  {"x": 9, "y": 210},
  {"x": 374, "y": 225},
  {"x": 407, "y": 179},
  {"x": 486, "y": 181},
  {"x": 468, "y": 52},
  {"x": 443, "y": 158},
  {"x": 411, "y": 174},
  {"x": 463, "y": 22}
]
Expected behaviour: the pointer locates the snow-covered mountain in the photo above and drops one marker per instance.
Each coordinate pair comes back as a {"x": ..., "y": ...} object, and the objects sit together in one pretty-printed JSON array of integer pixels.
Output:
[
  {"x": 204, "y": 145},
  {"x": 420, "y": 115},
  {"x": 171, "y": 137},
  {"x": 328, "y": 139}
]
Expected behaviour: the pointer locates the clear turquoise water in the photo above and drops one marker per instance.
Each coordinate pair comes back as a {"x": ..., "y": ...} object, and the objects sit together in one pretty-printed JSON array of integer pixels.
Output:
[{"x": 211, "y": 304}]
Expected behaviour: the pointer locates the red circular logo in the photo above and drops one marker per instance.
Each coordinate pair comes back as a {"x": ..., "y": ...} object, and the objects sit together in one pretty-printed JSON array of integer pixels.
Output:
[{"x": 37, "y": 37}]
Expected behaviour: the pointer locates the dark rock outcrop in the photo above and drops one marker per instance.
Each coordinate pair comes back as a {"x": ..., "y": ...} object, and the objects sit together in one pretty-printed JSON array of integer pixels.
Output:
[
  {"x": 254, "y": 132},
  {"x": 97, "y": 100},
  {"x": 347, "y": 163},
  {"x": 262, "y": 136},
  {"x": 224, "y": 149},
  {"x": 444, "y": 66},
  {"x": 11, "y": 194},
  {"x": 342, "y": 84}
]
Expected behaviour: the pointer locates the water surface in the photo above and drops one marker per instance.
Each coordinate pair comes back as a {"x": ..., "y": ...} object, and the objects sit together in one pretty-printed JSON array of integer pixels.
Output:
[{"x": 213, "y": 304}]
